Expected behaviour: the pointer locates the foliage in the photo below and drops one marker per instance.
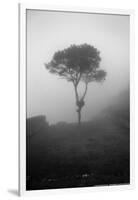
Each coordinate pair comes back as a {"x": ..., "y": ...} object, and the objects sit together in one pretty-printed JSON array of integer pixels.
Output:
[{"x": 77, "y": 63}]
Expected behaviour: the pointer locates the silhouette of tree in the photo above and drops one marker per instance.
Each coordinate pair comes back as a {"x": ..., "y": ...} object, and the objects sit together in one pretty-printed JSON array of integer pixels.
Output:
[{"x": 75, "y": 64}]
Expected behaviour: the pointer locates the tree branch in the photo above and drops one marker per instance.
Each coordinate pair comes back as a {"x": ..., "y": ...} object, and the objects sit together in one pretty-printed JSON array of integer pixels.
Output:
[
  {"x": 76, "y": 93},
  {"x": 78, "y": 79},
  {"x": 72, "y": 77},
  {"x": 86, "y": 87}
]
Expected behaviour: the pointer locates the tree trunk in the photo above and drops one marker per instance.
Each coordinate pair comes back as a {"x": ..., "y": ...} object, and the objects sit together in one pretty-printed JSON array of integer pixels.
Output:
[
  {"x": 79, "y": 117},
  {"x": 79, "y": 103}
]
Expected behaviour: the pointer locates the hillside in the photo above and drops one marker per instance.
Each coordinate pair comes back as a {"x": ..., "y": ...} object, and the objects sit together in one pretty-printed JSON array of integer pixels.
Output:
[{"x": 65, "y": 155}]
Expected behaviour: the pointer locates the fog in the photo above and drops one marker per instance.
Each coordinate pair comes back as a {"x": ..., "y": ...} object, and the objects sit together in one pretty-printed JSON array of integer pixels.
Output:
[{"x": 48, "y": 32}]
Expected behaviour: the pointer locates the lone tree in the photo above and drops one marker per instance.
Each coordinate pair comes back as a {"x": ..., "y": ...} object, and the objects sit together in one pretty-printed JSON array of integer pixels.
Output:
[{"x": 78, "y": 63}]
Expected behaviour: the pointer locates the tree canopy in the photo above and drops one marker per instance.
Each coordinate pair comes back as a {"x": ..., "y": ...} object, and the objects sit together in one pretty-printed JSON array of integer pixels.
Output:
[{"x": 77, "y": 63}]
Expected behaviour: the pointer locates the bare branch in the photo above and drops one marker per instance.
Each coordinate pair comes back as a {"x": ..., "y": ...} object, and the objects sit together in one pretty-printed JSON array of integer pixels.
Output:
[
  {"x": 84, "y": 94},
  {"x": 78, "y": 78},
  {"x": 76, "y": 93}
]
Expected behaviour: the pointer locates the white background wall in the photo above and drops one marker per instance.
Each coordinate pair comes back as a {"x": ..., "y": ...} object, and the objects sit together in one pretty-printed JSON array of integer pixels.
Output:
[{"x": 9, "y": 100}]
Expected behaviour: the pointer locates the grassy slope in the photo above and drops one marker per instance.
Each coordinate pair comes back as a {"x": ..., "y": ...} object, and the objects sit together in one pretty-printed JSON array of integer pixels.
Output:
[{"x": 97, "y": 153}]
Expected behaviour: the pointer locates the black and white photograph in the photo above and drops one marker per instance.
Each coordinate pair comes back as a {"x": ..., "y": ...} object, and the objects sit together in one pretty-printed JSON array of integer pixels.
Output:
[{"x": 77, "y": 99}]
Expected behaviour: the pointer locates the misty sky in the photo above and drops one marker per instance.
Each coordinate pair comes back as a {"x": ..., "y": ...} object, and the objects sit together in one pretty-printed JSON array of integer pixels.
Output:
[{"x": 48, "y": 32}]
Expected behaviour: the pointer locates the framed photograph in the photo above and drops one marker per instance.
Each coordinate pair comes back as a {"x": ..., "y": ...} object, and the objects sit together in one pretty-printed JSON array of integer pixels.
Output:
[{"x": 76, "y": 99}]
